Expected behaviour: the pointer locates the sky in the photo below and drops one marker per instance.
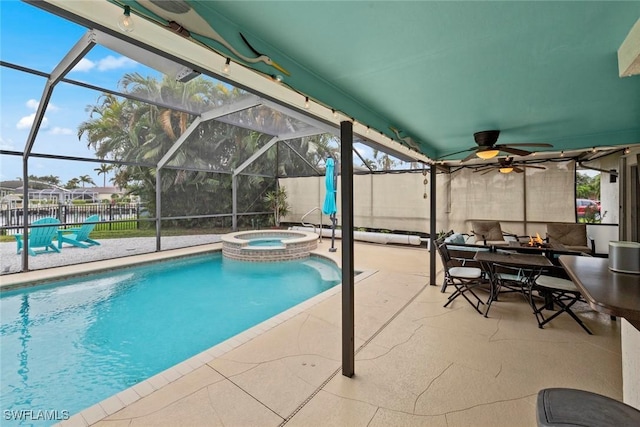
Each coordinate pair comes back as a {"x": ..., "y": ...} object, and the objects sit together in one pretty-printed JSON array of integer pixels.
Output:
[{"x": 49, "y": 39}]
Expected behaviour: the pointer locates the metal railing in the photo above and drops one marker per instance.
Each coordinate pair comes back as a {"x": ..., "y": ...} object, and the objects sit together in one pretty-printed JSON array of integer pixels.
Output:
[
  {"x": 312, "y": 225},
  {"x": 117, "y": 216}
]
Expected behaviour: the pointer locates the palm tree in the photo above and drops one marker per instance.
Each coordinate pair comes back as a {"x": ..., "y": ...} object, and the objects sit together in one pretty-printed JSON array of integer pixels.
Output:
[
  {"x": 135, "y": 131},
  {"x": 120, "y": 179},
  {"x": 86, "y": 179},
  {"x": 72, "y": 183},
  {"x": 104, "y": 169}
]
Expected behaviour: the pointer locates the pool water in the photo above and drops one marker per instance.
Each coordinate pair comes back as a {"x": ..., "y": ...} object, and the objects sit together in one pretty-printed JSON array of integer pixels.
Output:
[
  {"x": 69, "y": 345},
  {"x": 267, "y": 242}
]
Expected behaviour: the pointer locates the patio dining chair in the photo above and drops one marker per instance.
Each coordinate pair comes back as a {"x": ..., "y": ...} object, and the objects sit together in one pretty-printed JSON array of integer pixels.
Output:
[
  {"x": 571, "y": 236},
  {"x": 555, "y": 291},
  {"x": 79, "y": 236},
  {"x": 489, "y": 233},
  {"x": 39, "y": 237},
  {"x": 510, "y": 279},
  {"x": 464, "y": 279}
]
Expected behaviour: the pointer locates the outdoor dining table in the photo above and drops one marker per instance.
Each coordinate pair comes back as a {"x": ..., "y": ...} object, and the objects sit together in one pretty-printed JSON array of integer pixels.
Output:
[{"x": 531, "y": 264}]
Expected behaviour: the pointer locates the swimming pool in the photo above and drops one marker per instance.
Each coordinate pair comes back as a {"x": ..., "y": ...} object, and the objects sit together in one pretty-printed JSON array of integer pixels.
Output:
[{"x": 69, "y": 345}]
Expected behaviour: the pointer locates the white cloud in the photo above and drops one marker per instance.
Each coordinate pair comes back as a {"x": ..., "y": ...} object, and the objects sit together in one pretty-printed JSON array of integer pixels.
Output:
[
  {"x": 27, "y": 121},
  {"x": 113, "y": 63},
  {"x": 107, "y": 63},
  {"x": 61, "y": 131},
  {"x": 84, "y": 65},
  {"x": 33, "y": 105}
]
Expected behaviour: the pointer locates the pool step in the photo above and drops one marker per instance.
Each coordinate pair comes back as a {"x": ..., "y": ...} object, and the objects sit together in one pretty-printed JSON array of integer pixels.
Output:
[{"x": 327, "y": 272}]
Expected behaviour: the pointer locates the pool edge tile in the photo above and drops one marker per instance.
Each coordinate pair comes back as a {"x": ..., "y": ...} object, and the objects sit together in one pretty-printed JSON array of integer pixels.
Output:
[
  {"x": 203, "y": 357},
  {"x": 128, "y": 396},
  {"x": 158, "y": 381},
  {"x": 112, "y": 404},
  {"x": 93, "y": 414},
  {"x": 143, "y": 388},
  {"x": 171, "y": 374}
]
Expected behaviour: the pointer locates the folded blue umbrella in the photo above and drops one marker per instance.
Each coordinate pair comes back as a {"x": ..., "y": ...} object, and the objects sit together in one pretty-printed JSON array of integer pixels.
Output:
[{"x": 329, "y": 206}]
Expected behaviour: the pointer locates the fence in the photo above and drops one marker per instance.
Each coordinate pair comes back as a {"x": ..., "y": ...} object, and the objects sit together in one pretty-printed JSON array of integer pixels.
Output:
[{"x": 128, "y": 215}]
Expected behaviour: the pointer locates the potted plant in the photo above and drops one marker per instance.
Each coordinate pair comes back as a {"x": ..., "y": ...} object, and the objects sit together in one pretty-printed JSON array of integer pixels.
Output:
[{"x": 277, "y": 202}]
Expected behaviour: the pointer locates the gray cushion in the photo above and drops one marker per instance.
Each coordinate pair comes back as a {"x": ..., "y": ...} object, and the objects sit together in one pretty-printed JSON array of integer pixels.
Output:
[
  {"x": 455, "y": 238},
  {"x": 556, "y": 283},
  {"x": 565, "y": 407},
  {"x": 465, "y": 272}
]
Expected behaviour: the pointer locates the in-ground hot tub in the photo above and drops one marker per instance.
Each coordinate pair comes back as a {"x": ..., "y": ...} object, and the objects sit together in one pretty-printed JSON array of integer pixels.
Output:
[{"x": 268, "y": 245}]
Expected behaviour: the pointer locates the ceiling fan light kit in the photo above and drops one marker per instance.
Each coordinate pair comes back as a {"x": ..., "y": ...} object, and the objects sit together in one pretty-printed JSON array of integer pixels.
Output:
[
  {"x": 506, "y": 170},
  {"x": 487, "y": 154}
]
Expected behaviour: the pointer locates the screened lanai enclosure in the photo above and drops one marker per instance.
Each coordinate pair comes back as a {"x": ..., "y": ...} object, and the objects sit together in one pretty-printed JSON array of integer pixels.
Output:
[
  {"x": 169, "y": 157},
  {"x": 188, "y": 155}
]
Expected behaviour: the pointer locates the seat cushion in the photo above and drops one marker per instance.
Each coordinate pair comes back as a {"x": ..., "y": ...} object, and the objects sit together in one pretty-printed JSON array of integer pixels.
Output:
[
  {"x": 455, "y": 238},
  {"x": 465, "y": 272},
  {"x": 556, "y": 283}
]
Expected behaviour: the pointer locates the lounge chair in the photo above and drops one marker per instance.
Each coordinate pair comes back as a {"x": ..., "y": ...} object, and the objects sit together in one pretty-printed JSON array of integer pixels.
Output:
[
  {"x": 40, "y": 237},
  {"x": 79, "y": 236}
]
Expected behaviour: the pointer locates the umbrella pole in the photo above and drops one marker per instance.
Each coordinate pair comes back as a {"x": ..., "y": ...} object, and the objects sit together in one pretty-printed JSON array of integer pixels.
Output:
[
  {"x": 333, "y": 232},
  {"x": 333, "y": 216}
]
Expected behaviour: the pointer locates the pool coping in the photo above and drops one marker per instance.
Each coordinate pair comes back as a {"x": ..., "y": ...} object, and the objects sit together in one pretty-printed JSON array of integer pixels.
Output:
[{"x": 31, "y": 278}]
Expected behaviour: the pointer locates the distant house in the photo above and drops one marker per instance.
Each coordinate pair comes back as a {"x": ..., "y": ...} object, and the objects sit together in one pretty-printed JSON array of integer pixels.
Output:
[
  {"x": 11, "y": 192},
  {"x": 106, "y": 193}
]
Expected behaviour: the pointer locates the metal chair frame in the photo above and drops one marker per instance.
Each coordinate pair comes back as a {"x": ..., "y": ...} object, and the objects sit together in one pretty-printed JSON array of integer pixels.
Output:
[
  {"x": 463, "y": 279},
  {"x": 563, "y": 298}
]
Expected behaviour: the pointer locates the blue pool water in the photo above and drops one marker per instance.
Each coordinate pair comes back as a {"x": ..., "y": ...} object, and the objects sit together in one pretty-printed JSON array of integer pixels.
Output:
[
  {"x": 69, "y": 345},
  {"x": 270, "y": 242}
]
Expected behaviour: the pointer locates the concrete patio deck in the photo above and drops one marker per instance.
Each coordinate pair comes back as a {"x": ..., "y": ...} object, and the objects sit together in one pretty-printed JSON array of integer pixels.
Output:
[{"x": 417, "y": 363}]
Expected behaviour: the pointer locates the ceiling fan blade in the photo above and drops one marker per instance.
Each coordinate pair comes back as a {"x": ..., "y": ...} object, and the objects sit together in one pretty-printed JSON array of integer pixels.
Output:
[
  {"x": 484, "y": 173},
  {"x": 484, "y": 168},
  {"x": 529, "y": 144},
  {"x": 518, "y": 169},
  {"x": 458, "y": 152},
  {"x": 469, "y": 157},
  {"x": 533, "y": 167},
  {"x": 516, "y": 151}
]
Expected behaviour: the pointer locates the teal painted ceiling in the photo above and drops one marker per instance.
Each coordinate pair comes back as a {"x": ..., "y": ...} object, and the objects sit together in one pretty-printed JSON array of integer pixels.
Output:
[{"x": 543, "y": 72}]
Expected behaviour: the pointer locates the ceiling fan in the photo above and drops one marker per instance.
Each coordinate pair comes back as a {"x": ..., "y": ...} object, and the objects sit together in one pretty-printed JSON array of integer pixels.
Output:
[
  {"x": 487, "y": 147},
  {"x": 507, "y": 165}
]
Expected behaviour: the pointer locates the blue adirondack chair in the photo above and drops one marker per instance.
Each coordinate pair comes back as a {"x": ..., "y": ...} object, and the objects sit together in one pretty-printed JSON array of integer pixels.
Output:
[
  {"x": 79, "y": 236},
  {"x": 40, "y": 237}
]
